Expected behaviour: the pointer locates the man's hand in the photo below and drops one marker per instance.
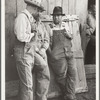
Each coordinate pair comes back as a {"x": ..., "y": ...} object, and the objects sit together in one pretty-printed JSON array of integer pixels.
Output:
[
  {"x": 42, "y": 53},
  {"x": 67, "y": 34},
  {"x": 33, "y": 28},
  {"x": 32, "y": 41},
  {"x": 33, "y": 38}
]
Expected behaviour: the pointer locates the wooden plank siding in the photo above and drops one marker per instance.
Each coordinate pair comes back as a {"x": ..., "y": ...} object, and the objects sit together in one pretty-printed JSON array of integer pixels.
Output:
[
  {"x": 13, "y": 7},
  {"x": 65, "y": 6},
  {"x": 78, "y": 7},
  {"x": 81, "y": 10},
  {"x": 10, "y": 13},
  {"x": 20, "y": 5},
  {"x": 71, "y": 7},
  {"x": 46, "y": 5}
]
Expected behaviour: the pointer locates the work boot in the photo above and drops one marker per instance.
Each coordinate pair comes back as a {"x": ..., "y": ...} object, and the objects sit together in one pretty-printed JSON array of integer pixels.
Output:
[{"x": 69, "y": 98}]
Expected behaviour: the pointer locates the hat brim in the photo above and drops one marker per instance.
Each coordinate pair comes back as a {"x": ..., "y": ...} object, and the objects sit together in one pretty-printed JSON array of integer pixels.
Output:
[
  {"x": 35, "y": 4},
  {"x": 58, "y": 14}
]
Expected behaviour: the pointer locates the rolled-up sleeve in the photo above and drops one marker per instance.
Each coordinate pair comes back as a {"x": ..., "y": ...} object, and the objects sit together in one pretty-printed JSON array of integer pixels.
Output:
[{"x": 20, "y": 29}]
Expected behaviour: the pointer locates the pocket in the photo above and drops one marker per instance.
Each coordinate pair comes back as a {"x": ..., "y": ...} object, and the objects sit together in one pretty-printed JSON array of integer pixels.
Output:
[
  {"x": 29, "y": 51},
  {"x": 68, "y": 53},
  {"x": 18, "y": 53}
]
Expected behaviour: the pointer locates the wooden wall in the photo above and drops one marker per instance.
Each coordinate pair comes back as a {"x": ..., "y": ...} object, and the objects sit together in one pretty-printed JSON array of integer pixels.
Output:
[
  {"x": 10, "y": 13},
  {"x": 13, "y": 7},
  {"x": 78, "y": 7}
]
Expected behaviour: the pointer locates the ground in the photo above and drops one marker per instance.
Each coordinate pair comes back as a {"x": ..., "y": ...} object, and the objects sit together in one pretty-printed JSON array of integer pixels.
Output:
[{"x": 90, "y": 95}]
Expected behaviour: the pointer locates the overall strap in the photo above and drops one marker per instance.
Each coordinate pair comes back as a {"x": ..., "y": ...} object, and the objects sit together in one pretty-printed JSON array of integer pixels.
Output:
[
  {"x": 31, "y": 23},
  {"x": 27, "y": 16}
]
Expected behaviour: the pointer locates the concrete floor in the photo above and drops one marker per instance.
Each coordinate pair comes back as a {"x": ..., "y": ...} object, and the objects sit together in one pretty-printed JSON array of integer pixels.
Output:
[{"x": 90, "y": 95}]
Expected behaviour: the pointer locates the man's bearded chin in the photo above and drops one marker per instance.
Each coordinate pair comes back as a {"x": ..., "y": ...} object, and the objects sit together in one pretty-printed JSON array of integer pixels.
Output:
[
  {"x": 56, "y": 22},
  {"x": 36, "y": 17}
]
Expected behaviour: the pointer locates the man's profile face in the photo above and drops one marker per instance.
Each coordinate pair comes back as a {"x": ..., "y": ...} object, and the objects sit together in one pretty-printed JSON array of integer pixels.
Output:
[
  {"x": 37, "y": 13},
  {"x": 57, "y": 19}
]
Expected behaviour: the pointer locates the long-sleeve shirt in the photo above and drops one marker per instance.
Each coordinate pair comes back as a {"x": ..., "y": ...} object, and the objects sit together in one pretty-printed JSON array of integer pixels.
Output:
[
  {"x": 22, "y": 28},
  {"x": 43, "y": 36}
]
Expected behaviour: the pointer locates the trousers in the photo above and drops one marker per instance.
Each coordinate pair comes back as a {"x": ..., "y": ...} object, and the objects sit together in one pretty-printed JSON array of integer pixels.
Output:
[
  {"x": 62, "y": 63},
  {"x": 26, "y": 60},
  {"x": 65, "y": 76}
]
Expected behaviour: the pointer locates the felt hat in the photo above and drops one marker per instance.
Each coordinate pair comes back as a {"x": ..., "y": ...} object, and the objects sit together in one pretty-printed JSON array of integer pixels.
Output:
[{"x": 58, "y": 11}]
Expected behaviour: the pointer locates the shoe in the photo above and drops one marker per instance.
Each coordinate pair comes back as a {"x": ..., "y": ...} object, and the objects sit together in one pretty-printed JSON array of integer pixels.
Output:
[{"x": 69, "y": 98}]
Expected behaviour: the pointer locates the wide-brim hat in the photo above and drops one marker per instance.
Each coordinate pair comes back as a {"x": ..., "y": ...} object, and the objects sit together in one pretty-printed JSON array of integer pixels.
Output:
[
  {"x": 36, "y": 3},
  {"x": 58, "y": 11}
]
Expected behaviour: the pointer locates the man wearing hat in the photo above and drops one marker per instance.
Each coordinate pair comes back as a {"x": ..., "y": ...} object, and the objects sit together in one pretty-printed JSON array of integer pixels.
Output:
[
  {"x": 61, "y": 56},
  {"x": 31, "y": 44}
]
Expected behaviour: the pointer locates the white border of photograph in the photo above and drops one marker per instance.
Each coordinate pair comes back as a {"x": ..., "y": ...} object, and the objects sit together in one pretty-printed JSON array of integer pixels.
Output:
[{"x": 3, "y": 50}]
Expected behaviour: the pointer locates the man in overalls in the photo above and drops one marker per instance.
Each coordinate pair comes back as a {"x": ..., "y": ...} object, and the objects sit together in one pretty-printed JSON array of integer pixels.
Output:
[
  {"x": 61, "y": 56},
  {"x": 31, "y": 44}
]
